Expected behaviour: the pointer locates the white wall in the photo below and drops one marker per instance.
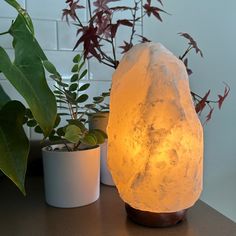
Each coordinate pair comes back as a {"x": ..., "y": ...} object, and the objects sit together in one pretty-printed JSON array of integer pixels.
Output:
[{"x": 211, "y": 23}]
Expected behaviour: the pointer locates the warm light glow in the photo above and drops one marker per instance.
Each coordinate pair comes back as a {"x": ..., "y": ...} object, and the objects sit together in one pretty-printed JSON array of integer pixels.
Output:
[{"x": 155, "y": 137}]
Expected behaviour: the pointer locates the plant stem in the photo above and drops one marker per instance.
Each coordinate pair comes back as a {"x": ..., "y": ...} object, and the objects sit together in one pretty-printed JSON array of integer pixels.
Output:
[
  {"x": 134, "y": 21},
  {"x": 186, "y": 52},
  {"x": 68, "y": 149},
  {"x": 89, "y": 7},
  {"x": 113, "y": 51},
  {"x": 80, "y": 23},
  {"x": 76, "y": 145},
  {"x": 200, "y": 98},
  {"x": 7, "y": 32}
]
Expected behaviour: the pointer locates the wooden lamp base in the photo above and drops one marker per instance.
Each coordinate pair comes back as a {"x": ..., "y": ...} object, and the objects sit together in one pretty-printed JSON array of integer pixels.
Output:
[{"x": 152, "y": 219}]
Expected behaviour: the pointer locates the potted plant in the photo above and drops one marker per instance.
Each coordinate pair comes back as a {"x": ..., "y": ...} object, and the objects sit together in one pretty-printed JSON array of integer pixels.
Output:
[
  {"x": 103, "y": 26},
  {"x": 72, "y": 165},
  {"x": 26, "y": 73}
]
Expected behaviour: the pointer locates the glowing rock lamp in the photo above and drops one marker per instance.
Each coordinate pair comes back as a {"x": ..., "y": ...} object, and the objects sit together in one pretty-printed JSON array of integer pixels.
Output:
[{"x": 155, "y": 149}]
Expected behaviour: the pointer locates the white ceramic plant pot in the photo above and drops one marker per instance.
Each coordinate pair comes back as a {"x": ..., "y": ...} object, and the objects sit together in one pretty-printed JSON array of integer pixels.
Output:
[
  {"x": 100, "y": 122},
  {"x": 106, "y": 177},
  {"x": 71, "y": 179}
]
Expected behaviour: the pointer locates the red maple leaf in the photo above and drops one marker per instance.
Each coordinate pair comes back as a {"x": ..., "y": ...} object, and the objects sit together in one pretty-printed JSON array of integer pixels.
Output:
[
  {"x": 72, "y": 10},
  {"x": 126, "y": 47},
  {"x": 153, "y": 10},
  {"x": 114, "y": 27},
  {"x": 202, "y": 103},
  {"x": 189, "y": 71},
  {"x": 90, "y": 39},
  {"x": 208, "y": 117},
  {"x": 102, "y": 4},
  {"x": 143, "y": 39},
  {"x": 149, "y": 2},
  {"x": 192, "y": 42},
  {"x": 222, "y": 98}
]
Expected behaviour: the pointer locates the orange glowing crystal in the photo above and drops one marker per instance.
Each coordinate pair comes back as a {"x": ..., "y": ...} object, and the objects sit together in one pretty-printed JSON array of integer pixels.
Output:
[{"x": 155, "y": 144}]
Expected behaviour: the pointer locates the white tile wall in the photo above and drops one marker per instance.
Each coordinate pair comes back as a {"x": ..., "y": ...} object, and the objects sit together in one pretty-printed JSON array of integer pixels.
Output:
[
  {"x": 123, "y": 34},
  {"x": 45, "y": 9},
  {"x": 46, "y": 34},
  {"x": 6, "y": 11},
  {"x": 98, "y": 71},
  {"x": 58, "y": 39},
  {"x": 67, "y": 36},
  {"x": 5, "y": 40}
]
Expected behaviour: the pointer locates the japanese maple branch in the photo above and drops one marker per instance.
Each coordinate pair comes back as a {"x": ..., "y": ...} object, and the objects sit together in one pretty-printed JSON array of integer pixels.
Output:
[
  {"x": 134, "y": 21},
  {"x": 89, "y": 7},
  {"x": 186, "y": 52}
]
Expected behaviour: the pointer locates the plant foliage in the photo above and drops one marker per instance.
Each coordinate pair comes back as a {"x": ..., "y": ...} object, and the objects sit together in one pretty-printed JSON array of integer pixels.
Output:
[
  {"x": 103, "y": 26},
  {"x": 70, "y": 97},
  {"x": 26, "y": 73}
]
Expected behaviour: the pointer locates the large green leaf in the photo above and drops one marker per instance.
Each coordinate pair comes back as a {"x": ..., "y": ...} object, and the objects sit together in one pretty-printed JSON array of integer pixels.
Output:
[
  {"x": 27, "y": 74},
  {"x": 14, "y": 145},
  {"x": 23, "y": 13}
]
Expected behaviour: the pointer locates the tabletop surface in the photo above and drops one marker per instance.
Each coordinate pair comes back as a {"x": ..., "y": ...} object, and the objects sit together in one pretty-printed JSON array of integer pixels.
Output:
[{"x": 30, "y": 215}]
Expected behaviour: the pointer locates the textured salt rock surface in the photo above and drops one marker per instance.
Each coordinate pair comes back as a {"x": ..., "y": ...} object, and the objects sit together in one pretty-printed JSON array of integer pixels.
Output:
[{"x": 155, "y": 147}]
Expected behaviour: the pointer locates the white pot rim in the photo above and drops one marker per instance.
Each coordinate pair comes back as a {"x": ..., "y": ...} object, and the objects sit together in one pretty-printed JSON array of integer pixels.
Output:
[{"x": 45, "y": 149}]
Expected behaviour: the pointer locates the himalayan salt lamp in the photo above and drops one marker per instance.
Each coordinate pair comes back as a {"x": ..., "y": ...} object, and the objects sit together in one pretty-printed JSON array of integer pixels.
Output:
[{"x": 155, "y": 146}]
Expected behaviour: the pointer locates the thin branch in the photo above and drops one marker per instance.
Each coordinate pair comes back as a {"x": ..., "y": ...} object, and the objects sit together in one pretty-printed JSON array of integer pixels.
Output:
[
  {"x": 7, "y": 32},
  {"x": 134, "y": 20},
  {"x": 89, "y": 7},
  {"x": 80, "y": 23},
  {"x": 186, "y": 52}
]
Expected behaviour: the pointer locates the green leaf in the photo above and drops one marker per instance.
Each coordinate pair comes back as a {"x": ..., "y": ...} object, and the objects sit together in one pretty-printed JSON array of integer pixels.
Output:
[
  {"x": 84, "y": 87},
  {"x": 77, "y": 58},
  {"x": 75, "y": 68},
  {"x": 54, "y": 138},
  {"x": 3, "y": 97},
  {"x": 73, "y": 133},
  {"x": 51, "y": 68},
  {"x": 64, "y": 85},
  {"x": 100, "y": 135},
  {"x": 38, "y": 130},
  {"x": 60, "y": 132},
  {"x": 106, "y": 94},
  {"x": 57, "y": 121},
  {"x": 90, "y": 106},
  {"x": 63, "y": 114},
  {"x": 27, "y": 75},
  {"x": 62, "y": 107},
  {"x": 28, "y": 113},
  {"x": 83, "y": 74},
  {"x": 78, "y": 123},
  {"x": 31, "y": 123},
  {"x": 82, "y": 98},
  {"x": 61, "y": 101},
  {"x": 73, "y": 87},
  {"x": 98, "y": 99},
  {"x": 89, "y": 139},
  {"x": 74, "y": 78},
  {"x": 58, "y": 92},
  {"x": 23, "y": 13},
  {"x": 14, "y": 145},
  {"x": 81, "y": 66}
]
